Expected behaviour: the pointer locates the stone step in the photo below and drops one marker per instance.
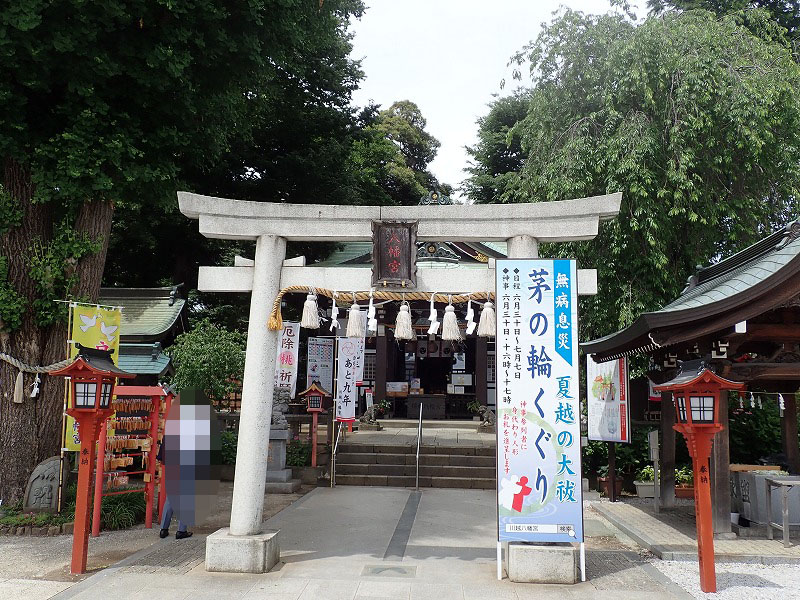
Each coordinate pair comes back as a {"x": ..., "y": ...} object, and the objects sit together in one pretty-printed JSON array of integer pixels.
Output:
[
  {"x": 468, "y": 425},
  {"x": 444, "y": 460},
  {"x": 350, "y": 448},
  {"x": 410, "y": 481},
  {"x": 410, "y": 470}
]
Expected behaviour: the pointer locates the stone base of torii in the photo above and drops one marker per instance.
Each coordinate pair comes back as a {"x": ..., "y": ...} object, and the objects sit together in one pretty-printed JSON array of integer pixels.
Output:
[{"x": 245, "y": 546}]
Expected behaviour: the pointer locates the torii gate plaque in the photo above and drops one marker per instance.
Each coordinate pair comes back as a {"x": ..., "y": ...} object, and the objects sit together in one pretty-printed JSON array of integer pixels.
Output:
[
  {"x": 245, "y": 547},
  {"x": 394, "y": 254}
]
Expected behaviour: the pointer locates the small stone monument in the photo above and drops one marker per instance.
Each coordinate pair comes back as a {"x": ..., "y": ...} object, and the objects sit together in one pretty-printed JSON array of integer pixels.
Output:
[
  {"x": 279, "y": 478},
  {"x": 41, "y": 493}
]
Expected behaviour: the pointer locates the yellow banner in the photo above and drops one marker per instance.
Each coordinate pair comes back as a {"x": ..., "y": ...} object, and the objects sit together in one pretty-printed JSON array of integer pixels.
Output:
[{"x": 92, "y": 327}]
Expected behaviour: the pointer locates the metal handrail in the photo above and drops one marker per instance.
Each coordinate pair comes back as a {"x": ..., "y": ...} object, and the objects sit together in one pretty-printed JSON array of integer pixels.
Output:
[
  {"x": 333, "y": 455},
  {"x": 419, "y": 439}
]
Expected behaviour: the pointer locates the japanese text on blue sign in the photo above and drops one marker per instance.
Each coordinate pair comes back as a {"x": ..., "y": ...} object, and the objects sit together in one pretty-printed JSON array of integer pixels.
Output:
[{"x": 538, "y": 412}]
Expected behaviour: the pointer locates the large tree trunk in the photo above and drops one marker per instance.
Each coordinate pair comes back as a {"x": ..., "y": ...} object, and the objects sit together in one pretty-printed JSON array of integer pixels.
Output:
[{"x": 31, "y": 432}]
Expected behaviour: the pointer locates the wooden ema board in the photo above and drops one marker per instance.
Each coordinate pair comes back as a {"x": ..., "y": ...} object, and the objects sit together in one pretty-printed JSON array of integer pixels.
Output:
[{"x": 126, "y": 454}]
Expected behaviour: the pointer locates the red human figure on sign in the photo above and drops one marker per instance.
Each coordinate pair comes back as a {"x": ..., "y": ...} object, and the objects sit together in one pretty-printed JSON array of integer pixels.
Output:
[{"x": 524, "y": 490}]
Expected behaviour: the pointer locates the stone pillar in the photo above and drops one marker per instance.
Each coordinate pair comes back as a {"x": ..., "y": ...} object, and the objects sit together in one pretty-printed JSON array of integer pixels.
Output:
[
  {"x": 721, "y": 474},
  {"x": 666, "y": 482},
  {"x": 523, "y": 246},
  {"x": 257, "y": 389}
]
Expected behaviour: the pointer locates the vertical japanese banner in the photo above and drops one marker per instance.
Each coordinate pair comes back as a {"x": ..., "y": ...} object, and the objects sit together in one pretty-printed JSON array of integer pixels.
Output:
[
  {"x": 92, "y": 327},
  {"x": 320, "y": 363},
  {"x": 607, "y": 400},
  {"x": 286, "y": 360},
  {"x": 349, "y": 373},
  {"x": 538, "y": 417}
]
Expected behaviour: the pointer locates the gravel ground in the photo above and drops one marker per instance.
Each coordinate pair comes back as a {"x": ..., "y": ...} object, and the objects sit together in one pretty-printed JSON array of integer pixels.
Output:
[{"x": 737, "y": 581}]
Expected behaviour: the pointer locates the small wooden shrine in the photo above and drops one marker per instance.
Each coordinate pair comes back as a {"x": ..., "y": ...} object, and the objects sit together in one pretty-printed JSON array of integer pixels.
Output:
[{"x": 742, "y": 317}]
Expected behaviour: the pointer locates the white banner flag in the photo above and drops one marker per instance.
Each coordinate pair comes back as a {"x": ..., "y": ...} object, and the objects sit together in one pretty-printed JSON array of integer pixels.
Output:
[
  {"x": 286, "y": 360},
  {"x": 350, "y": 372}
]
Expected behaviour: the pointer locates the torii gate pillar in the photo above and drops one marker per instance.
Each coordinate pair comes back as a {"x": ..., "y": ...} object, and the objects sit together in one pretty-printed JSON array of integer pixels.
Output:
[
  {"x": 244, "y": 547},
  {"x": 523, "y": 246}
]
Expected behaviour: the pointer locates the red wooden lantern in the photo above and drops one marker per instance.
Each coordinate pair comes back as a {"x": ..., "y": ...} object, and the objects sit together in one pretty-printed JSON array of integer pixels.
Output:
[
  {"x": 92, "y": 379},
  {"x": 696, "y": 392},
  {"x": 314, "y": 396}
]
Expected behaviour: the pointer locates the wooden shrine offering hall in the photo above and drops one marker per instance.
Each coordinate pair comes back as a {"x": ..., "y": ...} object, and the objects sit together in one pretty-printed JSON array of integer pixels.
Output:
[{"x": 398, "y": 270}]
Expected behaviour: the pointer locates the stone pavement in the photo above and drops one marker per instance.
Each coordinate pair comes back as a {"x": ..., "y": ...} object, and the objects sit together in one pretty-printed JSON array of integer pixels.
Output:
[
  {"x": 669, "y": 537},
  {"x": 389, "y": 543}
]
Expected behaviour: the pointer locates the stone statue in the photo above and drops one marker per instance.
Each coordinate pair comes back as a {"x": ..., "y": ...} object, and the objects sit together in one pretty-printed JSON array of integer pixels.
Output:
[
  {"x": 488, "y": 418},
  {"x": 369, "y": 416},
  {"x": 280, "y": 406},
  {"x": 41, "y": 493}
]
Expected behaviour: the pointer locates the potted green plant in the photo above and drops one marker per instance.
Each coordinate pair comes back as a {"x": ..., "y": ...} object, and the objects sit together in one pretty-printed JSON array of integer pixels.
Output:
[
  {"x": 298, "y": 457},
  {"x": 645, "y": 482},
  {"x": 684, "y": 482},
  {"x": 473, "y": 406},
  {"x": 604, "y": 481},
  {"x": 382, "y": 408}
]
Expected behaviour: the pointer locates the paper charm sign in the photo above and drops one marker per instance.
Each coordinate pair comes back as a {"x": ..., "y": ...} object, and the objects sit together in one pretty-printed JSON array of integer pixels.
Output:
[
  {"x": 538, "y": 416},
  {"x": 607, "y": 400},
  {"x": 286, "y": 360},
  {"x": 349, "y": 375},
  {"x": 92, "y": 327},
  {"x": 320, "y": 362}
]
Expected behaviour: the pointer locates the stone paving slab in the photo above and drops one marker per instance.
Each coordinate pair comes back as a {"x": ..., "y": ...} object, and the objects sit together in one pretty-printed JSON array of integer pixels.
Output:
[
  {"x": 670, "y": 543},
  {"x": 332, "y": 539},
  {"x": 30, "y": 589}
]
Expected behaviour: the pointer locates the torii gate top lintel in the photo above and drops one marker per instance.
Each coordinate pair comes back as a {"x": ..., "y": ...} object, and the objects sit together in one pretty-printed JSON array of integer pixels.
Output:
[{"x": 560, "y": 221}]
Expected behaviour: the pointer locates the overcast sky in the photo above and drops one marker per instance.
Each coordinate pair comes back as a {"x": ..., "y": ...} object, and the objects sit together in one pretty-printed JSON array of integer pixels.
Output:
[{"x": 448, "y": 56}]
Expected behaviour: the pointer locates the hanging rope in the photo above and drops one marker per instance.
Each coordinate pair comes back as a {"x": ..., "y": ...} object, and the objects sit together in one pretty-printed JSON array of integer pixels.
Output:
[
  {"x": 29, "y": 369},
  {"x": 275, "y": 322}
]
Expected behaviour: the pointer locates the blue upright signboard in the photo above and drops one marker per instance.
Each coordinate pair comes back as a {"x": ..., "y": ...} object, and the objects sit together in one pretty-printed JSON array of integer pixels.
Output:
[{"x": 538, "y": 411}]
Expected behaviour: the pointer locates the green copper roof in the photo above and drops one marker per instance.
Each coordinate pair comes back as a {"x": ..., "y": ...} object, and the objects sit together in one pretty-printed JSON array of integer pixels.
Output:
[
  {"x": 347, "y": 252},
  {"x": 745, "y": 271},
  {"x": 745, "y": 279},
  {"x": 143, "y": 359},
  {"x": 148, "y": 314}
]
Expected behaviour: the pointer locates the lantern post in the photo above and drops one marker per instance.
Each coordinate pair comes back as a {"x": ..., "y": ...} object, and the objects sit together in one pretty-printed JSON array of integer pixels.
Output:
[
  {"x": 696, "y": 392},
  {"x": 92, "y": 376},
  {"x": 314, "y": 395}
]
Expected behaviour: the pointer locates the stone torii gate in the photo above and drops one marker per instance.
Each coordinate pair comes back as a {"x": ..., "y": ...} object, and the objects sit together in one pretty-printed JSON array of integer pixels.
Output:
[{"x": 245, "y": 546}]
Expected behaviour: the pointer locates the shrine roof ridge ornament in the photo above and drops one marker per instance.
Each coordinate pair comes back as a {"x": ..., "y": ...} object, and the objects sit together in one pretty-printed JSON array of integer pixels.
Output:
[{"x": 558, "y": 221}]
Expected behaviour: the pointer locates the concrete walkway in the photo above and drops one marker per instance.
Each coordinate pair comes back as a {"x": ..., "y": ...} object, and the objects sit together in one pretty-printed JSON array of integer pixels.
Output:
[
  {"x": 389, "y": 543},
  {"x": 668, "y": 537}
]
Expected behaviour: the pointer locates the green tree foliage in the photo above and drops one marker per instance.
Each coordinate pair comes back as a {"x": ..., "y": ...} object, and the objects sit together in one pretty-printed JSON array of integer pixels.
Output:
[
  {"x": 338, "y": 157},
  {"x": 785, "y": 12},
  {"x": 209, "y": 358},
  {"x": 693, "y": 118},
  {"x": 112, "y": 105},
  {"x": 498, "y": 156},
  {"x": 391, "y": 154}
]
